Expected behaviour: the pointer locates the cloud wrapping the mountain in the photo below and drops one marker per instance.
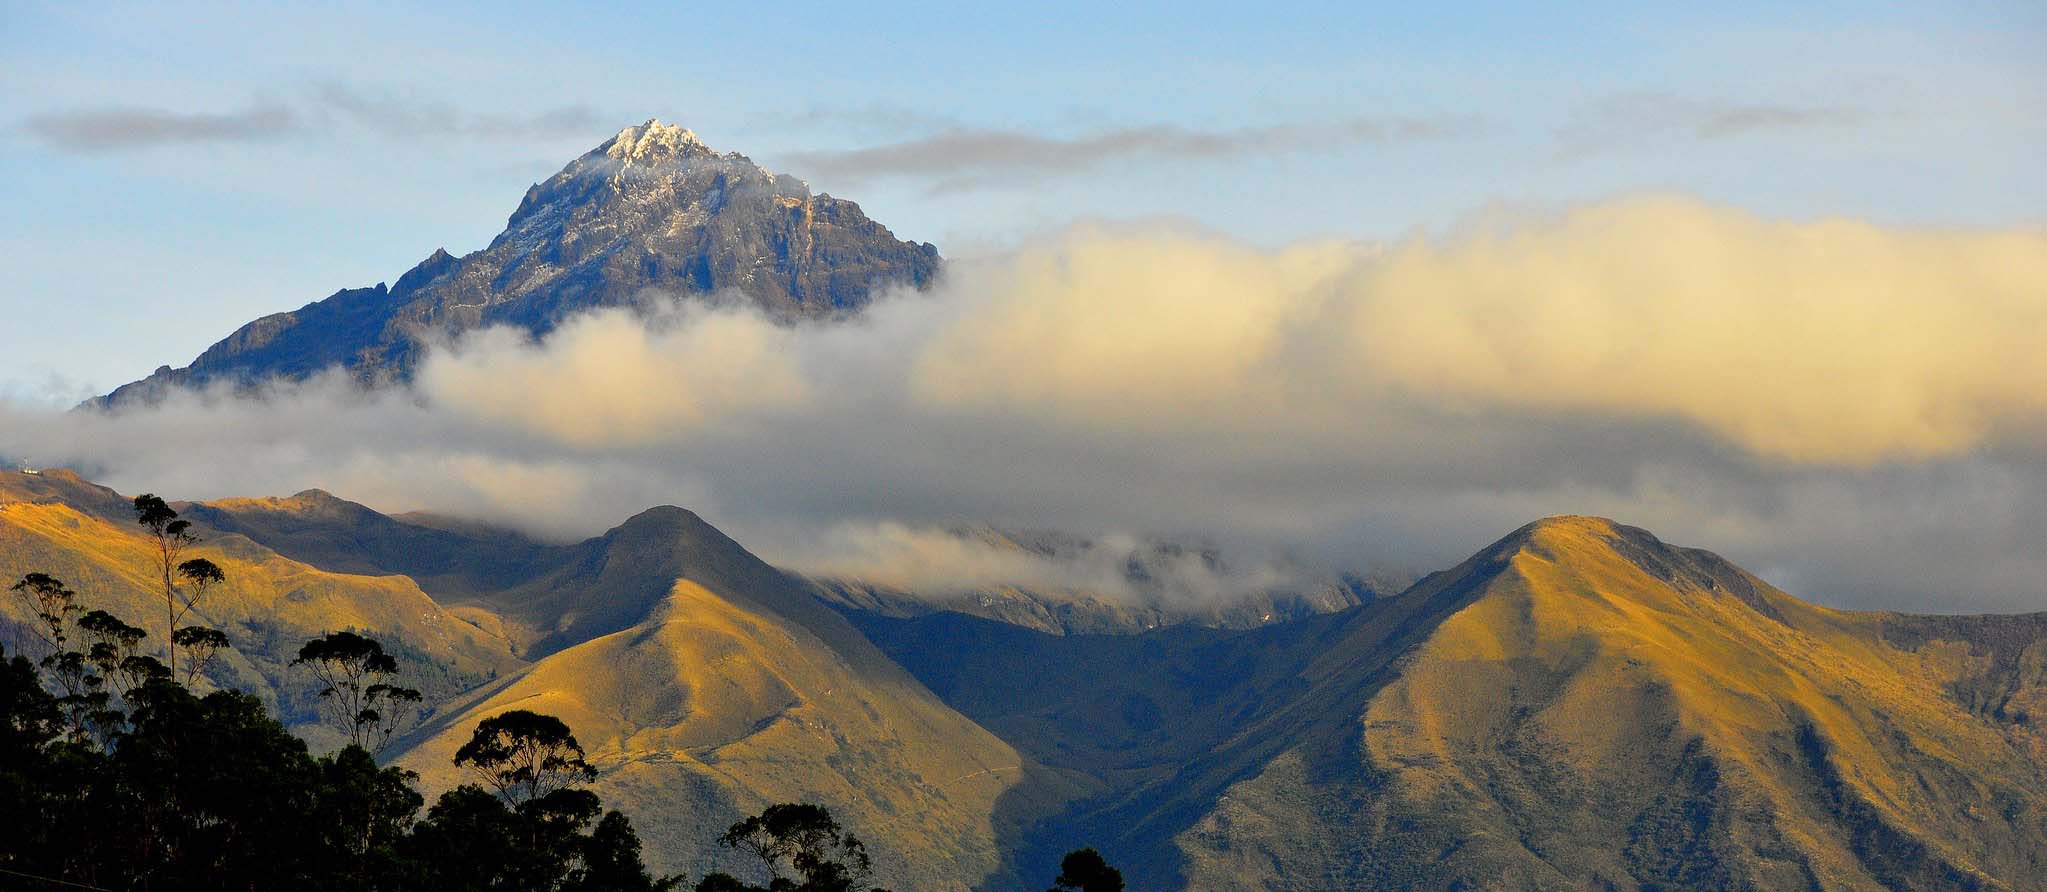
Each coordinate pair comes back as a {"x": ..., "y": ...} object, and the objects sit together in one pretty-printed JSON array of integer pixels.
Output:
[
  {"x": 1850, "y": 408},
  {"x": 1834, "y": 342},
  {"x": 939, "y": 562},
  {"x": 618, "y": 379}
]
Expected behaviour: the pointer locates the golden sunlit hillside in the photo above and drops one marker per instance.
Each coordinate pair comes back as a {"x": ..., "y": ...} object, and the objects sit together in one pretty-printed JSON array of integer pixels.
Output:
[
  {"x": 1577, "y": 706},
  {"x": 703, "y": 683},
  {"x": 56, "y": 523},
  {"x": 734, "y": 688},
  {"x": 711, "y": 710}
]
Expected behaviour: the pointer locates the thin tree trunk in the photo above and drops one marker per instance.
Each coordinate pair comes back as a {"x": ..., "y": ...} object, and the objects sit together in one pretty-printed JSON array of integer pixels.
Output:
[{"x": 170, "y": 607}]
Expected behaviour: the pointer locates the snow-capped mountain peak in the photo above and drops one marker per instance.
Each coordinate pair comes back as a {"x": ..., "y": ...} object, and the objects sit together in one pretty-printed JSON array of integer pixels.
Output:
[{"x": 653, "y": 141}]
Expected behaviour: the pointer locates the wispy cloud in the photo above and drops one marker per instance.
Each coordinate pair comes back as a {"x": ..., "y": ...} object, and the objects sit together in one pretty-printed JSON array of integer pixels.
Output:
[
  {"x": 884, "y": 117},
  {"x": 1116, "y": 568},
  {"x": 121, "y": 128},
  {"x": 327, "y": 107},
  {"x": 44, "y": 387},
  {"x": 1634, "y": 117},
  {"x": 963, "y": 156},
  {"x": 407, "y": 118}
]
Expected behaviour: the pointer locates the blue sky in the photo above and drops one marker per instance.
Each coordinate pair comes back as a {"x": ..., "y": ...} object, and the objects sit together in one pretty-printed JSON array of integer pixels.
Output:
[{"x": 334, "y": 148}]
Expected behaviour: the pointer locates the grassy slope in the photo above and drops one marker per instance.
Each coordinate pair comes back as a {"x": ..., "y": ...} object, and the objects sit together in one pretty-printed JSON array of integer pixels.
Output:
[
  {"x": 716, "y": 705},
  {"x": 1608, "y": 712},
  {"x": 704, "y": 684}
]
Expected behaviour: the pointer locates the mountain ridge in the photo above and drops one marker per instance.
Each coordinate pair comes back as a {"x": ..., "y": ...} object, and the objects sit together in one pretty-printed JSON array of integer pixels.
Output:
[
  {"x": 704, "y": 683},
  {"x": 732, "y": 687},
  {"x": 1577, "y": 705}
]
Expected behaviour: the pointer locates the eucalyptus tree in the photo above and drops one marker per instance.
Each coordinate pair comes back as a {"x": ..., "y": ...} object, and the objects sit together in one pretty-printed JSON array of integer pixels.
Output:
[
  {"x": 525, "y": 756},
  {"x": 184, "y": 582},
  {"x": 81, "y": 696},
  {"x": 801, "y": 848},
  {"x": 357, "y": 698}
]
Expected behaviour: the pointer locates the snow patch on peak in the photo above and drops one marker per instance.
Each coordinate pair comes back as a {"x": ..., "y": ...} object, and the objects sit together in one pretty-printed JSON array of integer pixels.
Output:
[{"x": 652, "y": 140}]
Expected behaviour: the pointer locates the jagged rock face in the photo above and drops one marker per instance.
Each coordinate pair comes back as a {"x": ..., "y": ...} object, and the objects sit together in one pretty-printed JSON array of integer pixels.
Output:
[{"x": 649, "y": 215}]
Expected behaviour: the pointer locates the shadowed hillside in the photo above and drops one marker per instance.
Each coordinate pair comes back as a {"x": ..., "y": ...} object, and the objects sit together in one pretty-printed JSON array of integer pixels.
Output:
[
  {"x": 1578, "y": 706},
  {"x": 344, "y": 537}
]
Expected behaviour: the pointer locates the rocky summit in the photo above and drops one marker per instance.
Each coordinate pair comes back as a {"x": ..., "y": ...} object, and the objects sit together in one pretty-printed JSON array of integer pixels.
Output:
[{"x": 650, "y": 215}]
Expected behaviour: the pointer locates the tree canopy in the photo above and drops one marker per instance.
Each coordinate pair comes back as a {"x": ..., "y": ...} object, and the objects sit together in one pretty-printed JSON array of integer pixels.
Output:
[
  {"x": 1084, "y": 870},
  {"x": 367, "y": 711},
  {"x": 800, "y": 848},
  {"x": 525, "y": 756}
]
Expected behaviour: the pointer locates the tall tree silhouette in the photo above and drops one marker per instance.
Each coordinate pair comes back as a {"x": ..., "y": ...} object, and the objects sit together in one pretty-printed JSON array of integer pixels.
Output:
[
  {"x": 354, "y": 700},
  {"x": 52, "y": 603},
  {"x": 184, "y": 582},
  {"x": 525, "y": 756},
  {"x": 81, "y": 696},
  {"x": 801, "y": 848},
  {"x": 536, "y": 833},
  {"x": 115, "y": 648}
]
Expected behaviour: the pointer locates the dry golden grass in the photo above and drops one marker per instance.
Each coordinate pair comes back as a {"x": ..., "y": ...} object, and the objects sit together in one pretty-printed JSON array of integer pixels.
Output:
[
  {"x": 710, "y": 710},
  {"x": 268, "y": 606}
]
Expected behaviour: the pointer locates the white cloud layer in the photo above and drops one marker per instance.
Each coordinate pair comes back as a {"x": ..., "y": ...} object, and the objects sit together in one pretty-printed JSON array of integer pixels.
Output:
[
  {"x": 1117, "y": 568},
  {"x": 1855, "y": 411}
]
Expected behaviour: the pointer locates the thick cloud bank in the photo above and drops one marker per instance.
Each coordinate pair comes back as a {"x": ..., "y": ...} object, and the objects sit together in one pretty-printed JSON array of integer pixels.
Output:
[{"x": 1854, "y": 411}]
